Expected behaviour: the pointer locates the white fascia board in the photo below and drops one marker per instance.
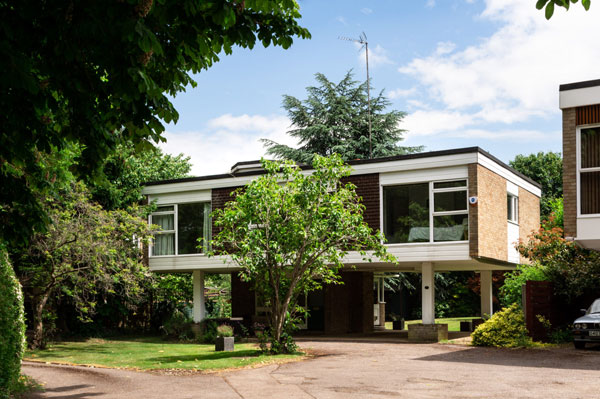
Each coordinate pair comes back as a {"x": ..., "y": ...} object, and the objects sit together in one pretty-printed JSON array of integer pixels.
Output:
[
  {"x": 579, "y": 97},
  {"x": 416, "y": 164},
  {"x": 180, "y": 197},
  {"x": 508, "y": 174},
  {"x": 362, "y": 169}
]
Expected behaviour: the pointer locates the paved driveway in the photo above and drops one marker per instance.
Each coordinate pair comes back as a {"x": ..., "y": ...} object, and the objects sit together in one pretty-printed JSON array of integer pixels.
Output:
[{"x": 355, "y": 370}]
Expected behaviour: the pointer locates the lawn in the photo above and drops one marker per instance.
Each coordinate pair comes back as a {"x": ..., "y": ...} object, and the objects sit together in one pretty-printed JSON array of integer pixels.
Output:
[
  {"x": 149, "y": 353},
  {"x": 453, "y": 322}
]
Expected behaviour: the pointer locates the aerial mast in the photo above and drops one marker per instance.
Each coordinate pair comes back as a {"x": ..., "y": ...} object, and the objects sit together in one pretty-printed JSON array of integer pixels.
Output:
[{"x": 362, "y": 39}]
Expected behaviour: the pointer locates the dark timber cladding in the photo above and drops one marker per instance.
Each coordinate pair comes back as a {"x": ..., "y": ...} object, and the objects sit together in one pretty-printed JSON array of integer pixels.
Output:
[
  {"x": 587, "y": 115},
  {"x": 367, "y": 187}
]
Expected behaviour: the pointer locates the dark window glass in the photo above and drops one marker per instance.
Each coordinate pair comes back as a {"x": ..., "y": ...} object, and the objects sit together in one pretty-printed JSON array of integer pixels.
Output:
[
  {"x": 590, "y": 193},
  {"x": 590, "y": 148},
  {"x": 165, "y": 208},
  {"x": 406, "y": 213},
  {"x": 450, "y": 184},
  {"x": 509, "y": 206},
  {"x": 451, "y": 228},
  {"x": 190, "y": 226},
  {"x": 450, "y": 201}
]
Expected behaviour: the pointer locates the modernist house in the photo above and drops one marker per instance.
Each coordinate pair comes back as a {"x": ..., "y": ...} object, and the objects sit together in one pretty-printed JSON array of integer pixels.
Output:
[
  {"x": 442, "y": 211},
  {"x": 580, "y": 104}
]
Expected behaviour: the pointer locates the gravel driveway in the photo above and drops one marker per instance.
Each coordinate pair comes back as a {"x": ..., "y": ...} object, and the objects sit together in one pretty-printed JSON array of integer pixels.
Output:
[{"x": 354, "y": 370}]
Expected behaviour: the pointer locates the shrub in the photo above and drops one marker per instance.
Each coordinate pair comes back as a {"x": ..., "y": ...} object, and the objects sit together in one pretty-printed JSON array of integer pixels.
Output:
[
  {"x": 12, "y": 326},
  {"x": 210, "y": 331},
  {"x": 224, "y": 331},
  {"x": 510, "y": 292},
  {"x": 178, "y": 326},
  {"x": 505, "y": 329}
]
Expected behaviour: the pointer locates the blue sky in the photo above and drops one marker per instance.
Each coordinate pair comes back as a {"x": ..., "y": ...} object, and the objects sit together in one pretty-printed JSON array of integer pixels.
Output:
[{"x": 467, "y": 72}]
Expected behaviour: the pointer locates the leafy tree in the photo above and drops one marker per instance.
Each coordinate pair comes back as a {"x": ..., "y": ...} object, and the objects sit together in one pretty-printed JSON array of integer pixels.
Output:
[
  {"x": 83, "y": 251},
  {"x": 546, "y": 169},
  {"x": 289, "y": 239},
  {"x": 549, "y": 5},
  {"x": 573, "y": 270},
  {"x": 101, "y": 73},
  {"x": 510, "y": 292},
  {"x": 334, "y": 119},
  {"x": 126, "y": 170}
]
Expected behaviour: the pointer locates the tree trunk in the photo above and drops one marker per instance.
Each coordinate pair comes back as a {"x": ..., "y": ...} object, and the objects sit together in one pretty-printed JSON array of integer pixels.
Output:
[{"x": 39, "y": 302}]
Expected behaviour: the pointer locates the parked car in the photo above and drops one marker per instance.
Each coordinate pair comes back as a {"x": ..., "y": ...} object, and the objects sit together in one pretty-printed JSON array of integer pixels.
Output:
[{"x": 587, "y": 328}]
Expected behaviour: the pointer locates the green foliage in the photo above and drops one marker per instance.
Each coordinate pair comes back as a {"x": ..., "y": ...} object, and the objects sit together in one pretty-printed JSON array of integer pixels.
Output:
[
  {"x": 178, "y": 326},
  {"x": 291, "y": 238},
  {"x": 224, "y": 331},
  {"x": 126, "y": 170},
  {"x": 556, "y": 218},
  {"x": 505, "y": 329},
  {"x": 64, "y": 81},
  {"x": 549, "y": 5},
  {"x": 546, "y": 169},
  {"x": 12, "y": 326},
  {"x": 510, "y": 292},
  {"x": 334, "y": 119},
  {"x": 209, "y": 328},
  {"x": 573, "y": 270},
  {"x": 86, "y": 251}
]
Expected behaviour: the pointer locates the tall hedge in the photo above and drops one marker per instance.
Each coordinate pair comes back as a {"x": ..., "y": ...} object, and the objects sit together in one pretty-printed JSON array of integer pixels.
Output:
[{"x": 12, "y": 325}]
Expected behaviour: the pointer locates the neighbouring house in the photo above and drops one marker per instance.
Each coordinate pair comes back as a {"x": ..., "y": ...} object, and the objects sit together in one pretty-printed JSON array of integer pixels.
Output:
[
  {"x": 441, "y": 212},
  {"x": 580, "y": 105}
]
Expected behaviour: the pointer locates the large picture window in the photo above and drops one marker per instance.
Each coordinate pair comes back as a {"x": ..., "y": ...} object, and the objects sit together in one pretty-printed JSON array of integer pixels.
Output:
[
  {"x": 180, "y": 227},
  {"x": 589, "y": 171},
  {"x": 426, "y": 212}
]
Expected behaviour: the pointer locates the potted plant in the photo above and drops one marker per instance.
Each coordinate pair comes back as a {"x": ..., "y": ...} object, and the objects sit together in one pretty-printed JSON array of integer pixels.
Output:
[
  {"x": 397, "y": 322},
  {"x": 225, "y": 339}
]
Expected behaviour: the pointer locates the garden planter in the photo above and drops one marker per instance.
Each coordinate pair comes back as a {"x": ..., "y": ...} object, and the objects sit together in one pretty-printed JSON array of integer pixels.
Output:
[
  {"x": 398, "y": 324},
  {"x": 224, "y": 344}
]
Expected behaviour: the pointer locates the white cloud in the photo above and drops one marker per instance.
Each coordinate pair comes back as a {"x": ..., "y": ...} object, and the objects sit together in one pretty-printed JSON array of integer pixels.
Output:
[
  {"x": 430, "y": 4},
  {"x": 226, "y": 140},
  {"x": 377, "y": 56},
  {"x": 399, "y": 93},
  {"x": 341, "y": 20},
  {"x": 366, "y": 11},
  {"x": 509, "y": 77}
]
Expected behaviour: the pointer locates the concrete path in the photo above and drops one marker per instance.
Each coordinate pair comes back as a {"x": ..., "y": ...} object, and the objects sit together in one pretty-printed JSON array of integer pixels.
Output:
[{"x": 354, "y": 370}]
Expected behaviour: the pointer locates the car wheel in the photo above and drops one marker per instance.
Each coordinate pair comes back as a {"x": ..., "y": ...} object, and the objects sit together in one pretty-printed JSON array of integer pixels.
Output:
[{"x": 579, "y": 344}]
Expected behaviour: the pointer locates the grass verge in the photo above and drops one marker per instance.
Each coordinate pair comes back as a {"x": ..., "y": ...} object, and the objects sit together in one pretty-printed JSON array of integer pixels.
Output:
[{"x": 152, "y": 353}]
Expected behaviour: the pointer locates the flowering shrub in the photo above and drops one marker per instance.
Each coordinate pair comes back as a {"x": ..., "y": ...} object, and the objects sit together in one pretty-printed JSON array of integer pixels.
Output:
[{"x": 505, "y": 329}]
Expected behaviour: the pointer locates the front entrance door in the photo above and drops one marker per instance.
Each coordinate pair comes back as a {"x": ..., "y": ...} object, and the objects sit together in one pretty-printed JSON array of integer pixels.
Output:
[{"x": 316, "y": 316}]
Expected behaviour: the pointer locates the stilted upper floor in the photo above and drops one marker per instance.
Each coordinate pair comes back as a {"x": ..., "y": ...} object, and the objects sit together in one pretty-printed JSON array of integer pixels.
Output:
[{"x": 460, "y": 209}]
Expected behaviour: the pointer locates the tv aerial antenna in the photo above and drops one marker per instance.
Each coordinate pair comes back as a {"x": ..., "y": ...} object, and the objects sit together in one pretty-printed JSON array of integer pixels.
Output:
[{"x": 362, "y": 40}]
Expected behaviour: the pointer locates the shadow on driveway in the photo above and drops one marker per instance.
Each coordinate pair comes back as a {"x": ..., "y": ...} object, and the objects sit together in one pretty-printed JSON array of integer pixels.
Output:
[{"x": 556, "y": 358}]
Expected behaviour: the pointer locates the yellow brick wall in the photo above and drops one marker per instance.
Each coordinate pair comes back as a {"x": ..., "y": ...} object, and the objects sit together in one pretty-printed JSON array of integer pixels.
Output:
[
  {"x": 570, "y": 172},
  {"x": 529, "y": 216},
  {"x": 492, "y": 220}
]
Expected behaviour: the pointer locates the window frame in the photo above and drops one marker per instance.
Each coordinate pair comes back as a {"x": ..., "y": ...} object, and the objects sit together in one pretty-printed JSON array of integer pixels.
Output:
[
  {"x": 581, "y": 170},
  {"x": 514, "y": 217},
  {"x": 432, "y": 213},
  {"x": 175, "y": 212}
]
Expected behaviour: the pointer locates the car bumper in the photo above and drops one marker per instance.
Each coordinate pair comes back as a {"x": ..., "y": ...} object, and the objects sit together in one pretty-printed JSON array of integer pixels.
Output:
[{"x": 584, "y": 335}]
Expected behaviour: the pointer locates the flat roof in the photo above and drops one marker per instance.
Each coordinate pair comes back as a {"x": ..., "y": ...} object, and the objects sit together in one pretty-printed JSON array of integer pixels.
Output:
[
  {"x": 428, "y": 154},
  {"x": 579, "y": 85}
]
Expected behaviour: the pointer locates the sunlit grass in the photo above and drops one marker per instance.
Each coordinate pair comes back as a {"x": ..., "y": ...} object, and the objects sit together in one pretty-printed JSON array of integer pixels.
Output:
[
  {"x": 152, "y": 353},
  {"x": 453, "y": 322}
]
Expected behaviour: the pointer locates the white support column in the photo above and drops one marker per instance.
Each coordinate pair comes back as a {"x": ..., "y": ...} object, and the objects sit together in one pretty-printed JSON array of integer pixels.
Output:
[
  {"x": 198, "y": 283},
  {"x": 427, "y": 293},
  {"x": 485, "y": 280}
]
